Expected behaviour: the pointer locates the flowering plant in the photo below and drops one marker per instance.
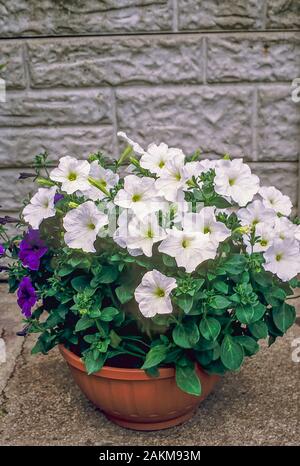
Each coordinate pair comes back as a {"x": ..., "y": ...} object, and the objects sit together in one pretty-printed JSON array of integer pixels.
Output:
[{"x": 171, "y": 260}]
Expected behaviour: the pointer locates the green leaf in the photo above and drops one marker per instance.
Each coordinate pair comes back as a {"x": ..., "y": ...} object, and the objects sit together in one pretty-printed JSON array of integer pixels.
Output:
[
  {"x": 91, "y": 338},
  {"x": 284, "y": 316},
  {"x": 210, "y": 328},
  {"x": 53, "y": 320},
  {"x": 124, "y": 294},
  {"x": 204, "y": 357},
  {"x": 107, "y": 275},
  {"x": 84, "y": 323},
  {"x": 168, "y": 261},
  {"x": 80, "y": 283},
  {"x": 187, "y": 380},
  {"x": 235, "y": 264},
  {"x": 185, "y": 303},
  {"x": 65, "y": 270},
  {"x": 155, "y": 356},
  {"x": 93, "y": 365},
  {"x": 108, "y": 313},
  {"x": 95, "y": 313},
  {"x": 249, "y": 344},
  {"x": 115, "y": 339},
  {"x": 259, "y": 329},
  {"x": 248, "y": 314},
  {"x": 221, "y": 286},
  {"x": 186, "y": 335},
  {"x": 205, "y": 345},
  {"x": 216, "y": 367},
  {"x": 220, "y": 302},
  {"x": 220, "y": 202},
  {"x": 79, "y": 262},
  {"x": 232, "y": 353},
  {"x": 275, "y": 296},
  {"x": 264, "y": 279}
]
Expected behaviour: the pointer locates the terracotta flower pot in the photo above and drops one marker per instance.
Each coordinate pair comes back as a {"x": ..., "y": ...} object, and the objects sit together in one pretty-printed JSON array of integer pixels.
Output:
[{"x": 132, "y": 399}]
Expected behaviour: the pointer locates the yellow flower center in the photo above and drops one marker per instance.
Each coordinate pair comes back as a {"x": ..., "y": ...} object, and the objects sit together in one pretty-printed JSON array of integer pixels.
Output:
[
  {"x": 160, "y": 293},
  {"x": 72, "y": 176},
  {"x": 278, "y": 257},
  {"x": 161, "y": 164},
  {"x": 91, "y": 226},
  {"x": 206, "y": 230},
  {"x": 231, "y": 181},
  {"x": 177, "y": 176},
  {"x": 185, "y": 243},
  {"x": 136, "y": 198},
  {"x": 264, "y": 242},
  {"x": 150, "y": 234}
]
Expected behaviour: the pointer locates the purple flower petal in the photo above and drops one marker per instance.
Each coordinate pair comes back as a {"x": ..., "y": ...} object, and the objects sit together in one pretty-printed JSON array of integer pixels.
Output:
[
  {"x": 2, "y": 250},
  {"x": 58, "y": 197},
  {"x": 27, "y": 297},
  {"x": 32, "y": 248}
]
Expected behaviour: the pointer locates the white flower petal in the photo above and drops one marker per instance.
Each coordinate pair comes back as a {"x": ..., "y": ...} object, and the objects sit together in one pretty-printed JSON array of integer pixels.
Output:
[
  {"x": 153, "y": 294},
  {"x": 41, "y": 207},
  {"x": 82, "y": 226}
]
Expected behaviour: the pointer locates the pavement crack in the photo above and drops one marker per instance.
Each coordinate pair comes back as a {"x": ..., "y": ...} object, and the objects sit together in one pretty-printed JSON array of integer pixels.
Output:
[{"x": 3, "y": 397}]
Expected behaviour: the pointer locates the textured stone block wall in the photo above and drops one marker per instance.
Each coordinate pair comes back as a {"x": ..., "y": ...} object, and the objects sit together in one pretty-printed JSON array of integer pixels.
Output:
[{"x": 208, "y": 74}]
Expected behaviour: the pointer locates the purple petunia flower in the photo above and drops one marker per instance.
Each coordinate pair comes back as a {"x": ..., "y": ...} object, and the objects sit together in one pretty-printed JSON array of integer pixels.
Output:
[
  {"x": 58, "y": 197},
  {"x": 2, "y": 250},
  {"x": 32, "y": 248},
  {"x": 27, "y": 297}
]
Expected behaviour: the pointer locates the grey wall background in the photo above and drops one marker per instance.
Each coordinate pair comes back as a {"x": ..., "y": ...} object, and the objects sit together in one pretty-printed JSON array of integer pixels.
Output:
[{"x": 207, "y": 74}]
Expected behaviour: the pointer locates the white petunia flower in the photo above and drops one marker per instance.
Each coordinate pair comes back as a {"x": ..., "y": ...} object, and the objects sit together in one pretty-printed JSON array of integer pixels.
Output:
[
  {"x": 142, "y": 234},
  {"x": 266, "y": 236},
  {"x": 188, "y": 249},
  {"x": 255, "y": 214},
  {"x": 235, "y": 180},
  {"x": 156, "y": 157},
  {"x": 172, "y": 180},
  {"x": 135, "y": 146},
  {"x": 207, "y": 164},
  {"x": 139, "y": 194},
  {"x": 284, "y": 228},
  {"x": 82, "y": 226},
  {"x": 283, "y": 259},
  {"x": 41, "y": 206},
  {"x": 107, "y": 178},
  {"x": 205, "y": 221},
  {"x": 192, "y": 169},
  {"x": 121, "y": 234},
  {"x": 72, "y": 173},
  {"x": 274, "y": 199},
  {"x": 297, "y": 232},
  {"x": 153, "y": 294}
]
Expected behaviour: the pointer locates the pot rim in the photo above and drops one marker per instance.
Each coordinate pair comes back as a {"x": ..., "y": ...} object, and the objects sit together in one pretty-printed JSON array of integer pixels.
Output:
[{"x": 115, "y": 372}]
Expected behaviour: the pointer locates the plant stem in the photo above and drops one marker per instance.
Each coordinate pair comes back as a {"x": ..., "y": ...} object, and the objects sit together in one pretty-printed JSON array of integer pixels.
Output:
[
  {"x": 133, "y": 354},
  {"x": 99, "y": 185}
]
